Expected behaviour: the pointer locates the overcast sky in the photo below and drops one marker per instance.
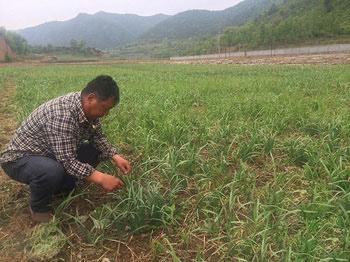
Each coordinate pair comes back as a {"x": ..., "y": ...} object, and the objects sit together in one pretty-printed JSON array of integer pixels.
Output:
[{"x": 18, "y": 14}]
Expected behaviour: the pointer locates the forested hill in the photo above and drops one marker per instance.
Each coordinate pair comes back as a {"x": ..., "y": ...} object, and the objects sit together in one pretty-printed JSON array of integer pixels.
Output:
[
  {"x": 102, "y": 30},
  {"x": 199, "y": 23},
  {"x": 293, "y": 22}
]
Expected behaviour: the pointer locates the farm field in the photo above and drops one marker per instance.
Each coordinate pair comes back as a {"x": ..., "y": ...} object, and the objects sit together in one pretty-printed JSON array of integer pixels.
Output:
[{"x": 230, "y": 163}]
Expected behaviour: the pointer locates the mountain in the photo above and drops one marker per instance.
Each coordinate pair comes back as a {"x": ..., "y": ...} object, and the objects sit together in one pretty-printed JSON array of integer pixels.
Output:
[
  {"x": 250, "y": 24},
  {"x": 101, "y": 30},
  {"x": 106, "y": 30},
  {"x": 199, "y": 23}
]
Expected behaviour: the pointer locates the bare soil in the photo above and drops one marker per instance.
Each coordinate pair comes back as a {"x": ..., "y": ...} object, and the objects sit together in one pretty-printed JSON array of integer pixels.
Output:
[
  {"x": 333, "y": 58},
  {"x": 330, "y": 58}
]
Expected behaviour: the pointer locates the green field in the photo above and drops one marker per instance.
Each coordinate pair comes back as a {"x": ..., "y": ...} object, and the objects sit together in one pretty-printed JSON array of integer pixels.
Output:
[{"x": 234, "y": 163}]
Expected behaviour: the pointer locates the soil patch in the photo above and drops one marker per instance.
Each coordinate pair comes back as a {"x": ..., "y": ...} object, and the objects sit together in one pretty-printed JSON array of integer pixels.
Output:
[{"x": 332, "y": 58}]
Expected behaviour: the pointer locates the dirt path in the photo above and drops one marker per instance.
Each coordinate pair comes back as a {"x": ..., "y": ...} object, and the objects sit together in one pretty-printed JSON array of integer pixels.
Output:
[
  {"x": 330, "y": 58},
  {"x": 334, "y": 58}
]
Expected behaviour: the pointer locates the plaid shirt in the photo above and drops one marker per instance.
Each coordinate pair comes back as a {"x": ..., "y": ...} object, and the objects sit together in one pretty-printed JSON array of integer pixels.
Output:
[{"x": 56, "y": 129}]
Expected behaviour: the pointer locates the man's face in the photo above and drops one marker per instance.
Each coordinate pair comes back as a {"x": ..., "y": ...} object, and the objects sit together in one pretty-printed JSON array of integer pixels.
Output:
[{"x": 96, "y": 107}]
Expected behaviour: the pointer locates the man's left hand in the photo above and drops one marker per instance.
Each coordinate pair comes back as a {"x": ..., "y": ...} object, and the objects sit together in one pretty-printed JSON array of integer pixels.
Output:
[{"x": 122, "y": 164}]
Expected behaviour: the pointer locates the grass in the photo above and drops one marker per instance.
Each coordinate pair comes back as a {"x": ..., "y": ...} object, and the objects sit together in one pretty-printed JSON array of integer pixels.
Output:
[
  {"x": 247, "y": 163},
  {"x": 46, "y": 241}
]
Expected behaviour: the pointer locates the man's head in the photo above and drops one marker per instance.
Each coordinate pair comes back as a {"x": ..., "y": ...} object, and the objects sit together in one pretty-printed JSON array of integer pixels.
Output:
[{"x": 99, "y": 96}]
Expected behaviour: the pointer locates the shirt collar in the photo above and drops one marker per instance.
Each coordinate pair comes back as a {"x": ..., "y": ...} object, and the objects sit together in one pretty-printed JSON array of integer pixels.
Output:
[{"x": 81, "y": 115}]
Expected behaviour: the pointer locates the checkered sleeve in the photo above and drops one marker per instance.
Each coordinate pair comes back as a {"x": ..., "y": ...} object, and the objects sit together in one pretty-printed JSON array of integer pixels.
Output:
[
  {"x": 62, "y": 140},
  {"x": 101, "y": 143}
]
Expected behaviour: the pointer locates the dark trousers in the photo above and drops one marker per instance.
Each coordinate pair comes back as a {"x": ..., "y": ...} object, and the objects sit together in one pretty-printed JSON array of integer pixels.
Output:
[{"x": 45, "y": 176}]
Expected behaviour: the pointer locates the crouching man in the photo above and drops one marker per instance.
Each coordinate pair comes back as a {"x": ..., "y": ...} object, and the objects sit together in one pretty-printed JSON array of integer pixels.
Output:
[{"x": 62, "y": 141}]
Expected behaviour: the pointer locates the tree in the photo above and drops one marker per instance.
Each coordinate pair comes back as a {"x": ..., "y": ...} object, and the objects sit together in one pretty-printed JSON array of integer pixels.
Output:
[
  {"x": 2, "y": 31},
  {"x": 273, "y": 9},
  {"x": 81, "y": 46},
  {"x": 17, "y": 43},
  {"x": 328, "y": 5},
  {"x": 74, "y": 44}
]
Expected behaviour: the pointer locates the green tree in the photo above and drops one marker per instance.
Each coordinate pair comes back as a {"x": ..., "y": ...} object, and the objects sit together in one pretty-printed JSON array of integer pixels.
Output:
[
  {"x": 2, "y": 31},
  {"x": 8, "y": 58},
  {"x": 74, "y": 44},
  {"x": 328, "y": 5},
  {"x": 81, "y": 45},
  {"x": 17, "y": 43}
]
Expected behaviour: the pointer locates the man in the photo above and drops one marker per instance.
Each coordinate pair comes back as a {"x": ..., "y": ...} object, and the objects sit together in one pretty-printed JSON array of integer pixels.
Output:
[{"x": 62, "y": 141}]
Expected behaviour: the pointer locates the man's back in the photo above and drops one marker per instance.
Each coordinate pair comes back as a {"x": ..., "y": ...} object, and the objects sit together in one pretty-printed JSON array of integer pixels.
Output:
[
  {"x": 62, "y": 141},
  {"x": 30, "y": 137}
]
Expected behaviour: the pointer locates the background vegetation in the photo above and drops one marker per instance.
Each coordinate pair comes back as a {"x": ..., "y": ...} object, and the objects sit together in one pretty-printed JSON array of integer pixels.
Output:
[
  {"x": 294, "y": 22},
  {"x": 17, "y": 43}
]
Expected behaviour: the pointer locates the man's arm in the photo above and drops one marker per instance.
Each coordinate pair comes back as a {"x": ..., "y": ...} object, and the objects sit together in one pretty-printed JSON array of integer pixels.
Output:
[
  {"x": 62, "y": 140},
  {"x": 101, "y": 143},
  {"x": 122, "y": 164},
  {"x": 60, "y": 133},
  {"x": 108, "y": 151}
]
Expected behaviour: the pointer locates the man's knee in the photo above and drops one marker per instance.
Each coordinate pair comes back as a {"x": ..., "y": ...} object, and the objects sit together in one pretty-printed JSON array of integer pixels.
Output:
[
  {"x": 54, "y": 172},
  {"x": 50, "y": 173}
]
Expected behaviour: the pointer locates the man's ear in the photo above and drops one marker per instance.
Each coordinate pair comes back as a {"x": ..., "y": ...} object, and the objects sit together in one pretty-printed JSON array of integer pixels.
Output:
[{"x": 91, "y": 97}]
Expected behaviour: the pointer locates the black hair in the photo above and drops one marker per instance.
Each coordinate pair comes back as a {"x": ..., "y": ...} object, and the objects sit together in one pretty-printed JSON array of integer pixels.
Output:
[{"x": 104, "y": 87}]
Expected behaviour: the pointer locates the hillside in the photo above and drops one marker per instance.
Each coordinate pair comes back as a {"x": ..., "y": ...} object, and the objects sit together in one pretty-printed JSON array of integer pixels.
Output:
[
  {"x": 284, "y": 23},
  {"x": 199, "y": 23},
  {"x": 5, "y": 50},
  {"x": 11, "y": 45},
  {"x": 293, "y": 22},
  {"x": 101, "y": 30}
]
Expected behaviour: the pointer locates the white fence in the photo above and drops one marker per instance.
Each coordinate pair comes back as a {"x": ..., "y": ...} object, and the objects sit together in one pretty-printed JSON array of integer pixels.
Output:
[{"x": 337, "y": 48}]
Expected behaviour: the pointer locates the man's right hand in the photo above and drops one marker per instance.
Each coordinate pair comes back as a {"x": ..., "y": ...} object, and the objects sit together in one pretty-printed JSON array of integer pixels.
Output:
[{"x": 108, "y": 182}]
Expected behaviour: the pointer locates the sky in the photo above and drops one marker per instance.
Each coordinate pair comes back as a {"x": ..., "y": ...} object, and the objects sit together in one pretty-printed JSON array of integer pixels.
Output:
[{"x": 19, "y": 14}]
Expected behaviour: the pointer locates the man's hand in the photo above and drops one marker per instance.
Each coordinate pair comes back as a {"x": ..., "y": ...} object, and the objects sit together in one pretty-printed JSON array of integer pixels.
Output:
[
  {"x": 108, "y": 182},
  {"x": 122, "y": 164},
  {"x": 111, "y": 182}
]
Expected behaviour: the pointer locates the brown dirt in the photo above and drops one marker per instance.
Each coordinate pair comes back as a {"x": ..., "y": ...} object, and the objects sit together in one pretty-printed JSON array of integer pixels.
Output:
[
  {"x": 329, "y": 59},
  {"x": 333, "y": 58},
  {"x": 5, "y": 49}
]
